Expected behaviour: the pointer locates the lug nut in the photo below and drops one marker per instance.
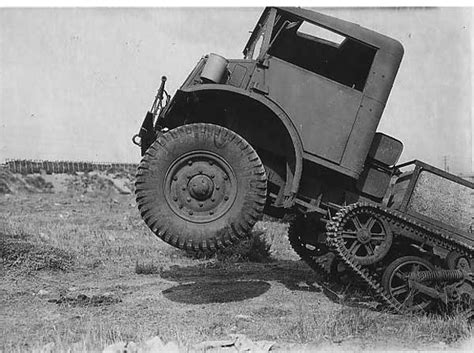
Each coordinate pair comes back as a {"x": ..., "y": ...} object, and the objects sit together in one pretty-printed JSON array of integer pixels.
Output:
[
  {"x": 217, "y": 187},
  {"x": 180, "y": 206},
  {"x": 200, "y": 172},
  {"x": 190, "y": 162},
  {"x": 188, "y": 199},
  {"x": 211, "y": 212},
  {"x": 213, "y": 199},
  {"x": 213, "y": 176},
  {"x": 183, "y": 188},
  {"x": 175, "y": 178},
  {"x": 226, "y": 198},
  {"x": 190, "y": 212},
  {"x": 211, "y": 162},
  {"x": 175, "y": 198},
  {"x": 201, "y": 204},
  {"x": 226, "y": 177}
]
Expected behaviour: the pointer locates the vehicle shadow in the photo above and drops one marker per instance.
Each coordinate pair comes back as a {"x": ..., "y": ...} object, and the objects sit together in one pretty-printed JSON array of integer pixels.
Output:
[
  {"x": 223, "y": 282},
  {"x": 208, "y": 292}
]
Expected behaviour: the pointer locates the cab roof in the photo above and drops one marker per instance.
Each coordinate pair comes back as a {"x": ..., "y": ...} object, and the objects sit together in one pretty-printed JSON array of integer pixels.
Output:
[{"x": 342, "y": 27}]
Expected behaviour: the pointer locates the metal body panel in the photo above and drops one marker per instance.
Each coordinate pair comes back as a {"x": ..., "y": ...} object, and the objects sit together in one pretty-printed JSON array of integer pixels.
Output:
[
  {"x": 361, "y": 136},
  {"x": 194, "y": 76},
  {"x": 323, "y": 110},
  {"x": 385, "y": 149},
  {"x": 374, "y": 182},
  {"x": 406, "y": 205},
  {"x": 240, "y": 72},
  {"x": 325, "y": 163},
  {"x": 382, "y": 75}
]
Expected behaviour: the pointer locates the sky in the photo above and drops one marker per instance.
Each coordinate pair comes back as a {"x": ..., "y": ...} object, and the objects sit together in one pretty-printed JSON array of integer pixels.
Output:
[{"x": 76, "y": 83}]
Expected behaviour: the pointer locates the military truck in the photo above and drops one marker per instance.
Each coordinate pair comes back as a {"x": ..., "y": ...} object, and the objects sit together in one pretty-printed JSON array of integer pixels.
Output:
[{"x": 291, "y": 129}]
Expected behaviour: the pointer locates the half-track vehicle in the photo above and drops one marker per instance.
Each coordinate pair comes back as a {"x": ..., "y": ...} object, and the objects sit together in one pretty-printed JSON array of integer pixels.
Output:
[{"x": 291, "y": 129}]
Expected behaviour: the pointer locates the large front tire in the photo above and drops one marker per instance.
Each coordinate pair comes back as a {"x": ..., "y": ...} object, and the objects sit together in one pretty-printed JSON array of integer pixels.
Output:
[{"x": 201, "y": 187}]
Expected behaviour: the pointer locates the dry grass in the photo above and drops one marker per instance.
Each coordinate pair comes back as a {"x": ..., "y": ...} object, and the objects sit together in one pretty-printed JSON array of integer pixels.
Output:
[
  {"x": 87, "y": 335},
  {"x": 147, "y": 268},
  {"x": 112, "y": 249},
  {"x": 93, "y": 230},
  {"x": 21, "y": 253},
  {"x": 349, "y": 323}
]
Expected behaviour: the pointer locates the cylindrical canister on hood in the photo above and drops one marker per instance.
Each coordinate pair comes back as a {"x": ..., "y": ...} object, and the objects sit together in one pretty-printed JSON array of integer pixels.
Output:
[{"x": 215, "y": 69}]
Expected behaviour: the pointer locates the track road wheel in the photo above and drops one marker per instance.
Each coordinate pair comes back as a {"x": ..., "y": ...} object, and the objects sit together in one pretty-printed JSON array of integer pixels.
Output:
[
  {"x": 201, "y": 187},
  {"x": 396, "y": 284}
]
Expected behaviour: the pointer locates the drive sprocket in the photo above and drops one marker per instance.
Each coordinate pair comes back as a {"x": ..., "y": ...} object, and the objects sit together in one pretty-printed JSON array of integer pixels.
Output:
[{"x": 303, "y": 238}]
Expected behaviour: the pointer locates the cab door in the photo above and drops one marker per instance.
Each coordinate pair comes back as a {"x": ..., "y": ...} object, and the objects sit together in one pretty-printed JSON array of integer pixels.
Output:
[
  {"x": 318, "y": 77},
  {"x": 322, "y": 110}
]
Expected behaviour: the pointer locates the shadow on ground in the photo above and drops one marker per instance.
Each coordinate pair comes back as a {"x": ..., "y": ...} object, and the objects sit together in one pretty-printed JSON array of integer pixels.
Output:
[
  {"x": 231, "y": 282},
  {"x": 216, "y": 292}
]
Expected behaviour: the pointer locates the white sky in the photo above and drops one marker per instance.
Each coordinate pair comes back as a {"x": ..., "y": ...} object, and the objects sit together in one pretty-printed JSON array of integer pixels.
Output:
[{"x": 76, "y": 83}]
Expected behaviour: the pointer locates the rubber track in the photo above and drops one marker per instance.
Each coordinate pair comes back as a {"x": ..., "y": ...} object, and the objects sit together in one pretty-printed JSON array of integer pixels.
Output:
[
  {"x": 400, "y": 224},
  {"x": 318, "y": 263}
]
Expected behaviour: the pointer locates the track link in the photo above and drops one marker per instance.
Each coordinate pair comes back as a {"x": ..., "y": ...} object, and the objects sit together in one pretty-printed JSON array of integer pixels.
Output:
[
  {"x": 400, "y": 225},
  {"x": 321, "y": 262}
]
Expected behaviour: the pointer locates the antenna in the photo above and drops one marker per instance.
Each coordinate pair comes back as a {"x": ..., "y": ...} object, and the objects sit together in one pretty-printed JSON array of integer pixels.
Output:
[{"x": 446, "y": 164}]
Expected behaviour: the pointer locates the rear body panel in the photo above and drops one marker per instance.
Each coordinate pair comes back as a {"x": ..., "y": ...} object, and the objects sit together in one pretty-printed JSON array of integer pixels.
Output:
[{"x": 440, "y": 200}]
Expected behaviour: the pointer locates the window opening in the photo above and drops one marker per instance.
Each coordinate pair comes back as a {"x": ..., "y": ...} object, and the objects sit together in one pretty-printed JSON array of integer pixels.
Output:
[{"x": 322, "y": 51}]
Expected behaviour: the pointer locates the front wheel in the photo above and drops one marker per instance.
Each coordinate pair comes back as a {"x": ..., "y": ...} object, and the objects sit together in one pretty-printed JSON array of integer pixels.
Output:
[{"x": 201, "y": 187}]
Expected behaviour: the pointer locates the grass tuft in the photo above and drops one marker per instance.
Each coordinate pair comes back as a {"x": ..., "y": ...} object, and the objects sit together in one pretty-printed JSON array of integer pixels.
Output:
[
  {"x": 18, "y": 252},
  {"x": 147, "y": 268},
  {"x": 254, "y": 249}
]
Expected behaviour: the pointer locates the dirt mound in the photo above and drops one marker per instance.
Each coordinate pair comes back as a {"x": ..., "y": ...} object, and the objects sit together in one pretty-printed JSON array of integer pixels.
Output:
[
  {"x": 85, "y": 300},
  {"x": 13, "y": 183},
  {"x": 110, "y": 181},
  {"x": 101, "y": 182}
]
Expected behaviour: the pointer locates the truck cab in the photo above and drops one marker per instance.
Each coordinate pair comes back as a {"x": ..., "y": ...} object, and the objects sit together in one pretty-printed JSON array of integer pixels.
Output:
[{"x": 332, "y": 77}]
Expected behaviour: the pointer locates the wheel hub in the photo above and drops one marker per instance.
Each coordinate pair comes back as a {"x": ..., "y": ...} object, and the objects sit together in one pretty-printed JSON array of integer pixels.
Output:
[
  {"x": 366, "y": 237},
  {"x": 363, "y": 235},
  {"x": 200, "y": 187}
]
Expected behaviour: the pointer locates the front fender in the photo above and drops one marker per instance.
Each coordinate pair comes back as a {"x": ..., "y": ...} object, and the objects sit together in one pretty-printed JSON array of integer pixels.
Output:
[{"x": 278, "y": 112}]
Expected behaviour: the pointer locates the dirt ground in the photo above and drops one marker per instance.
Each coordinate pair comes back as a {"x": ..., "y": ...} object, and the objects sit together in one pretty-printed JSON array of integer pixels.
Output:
[{"x": 80, "y": 271}]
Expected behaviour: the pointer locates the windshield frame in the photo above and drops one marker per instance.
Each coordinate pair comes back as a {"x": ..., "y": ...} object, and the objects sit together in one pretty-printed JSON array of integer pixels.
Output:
[{"x": 263, "y": 28}]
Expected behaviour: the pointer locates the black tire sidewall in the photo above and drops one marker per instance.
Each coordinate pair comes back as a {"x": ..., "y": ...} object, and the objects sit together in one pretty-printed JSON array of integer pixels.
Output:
[{"x": 239, "y": 155}]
